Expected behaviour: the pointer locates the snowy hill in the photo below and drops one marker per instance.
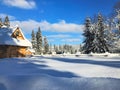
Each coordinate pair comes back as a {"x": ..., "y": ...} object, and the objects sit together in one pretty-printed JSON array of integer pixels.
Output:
[{"x": 60, "y": 73}]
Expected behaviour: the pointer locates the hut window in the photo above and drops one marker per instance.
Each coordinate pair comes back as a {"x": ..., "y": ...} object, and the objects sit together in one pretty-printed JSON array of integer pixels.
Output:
[{"x": 17, "y": 33}]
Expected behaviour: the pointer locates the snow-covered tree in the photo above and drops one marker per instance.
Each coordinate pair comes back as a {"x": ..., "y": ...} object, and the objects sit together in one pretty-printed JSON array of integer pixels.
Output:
[
  {"x": 100, "y": 43},
  {"x": 118, "y": 20},
  {"x": 117, "y": 32},
  {"x": 1, "y": 22},
  {"x": 89, "y": 37},
  {"x": 50, "y": 48},
  {"x": 65, "y": 48},
  {"x": 33, "y": 40},
  {"x": 60, "y": 47},
  {"x": 56, "y": 49},
  {"x": 110, "y": 36},
  {"x": 7, "y": 22},
  {"x": 46, "y": 45},
  {"x": 39, "y": 41}
]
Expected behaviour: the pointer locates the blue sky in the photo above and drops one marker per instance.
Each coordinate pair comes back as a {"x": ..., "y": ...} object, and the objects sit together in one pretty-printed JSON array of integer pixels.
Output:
[{"x": 61, "y": 21}]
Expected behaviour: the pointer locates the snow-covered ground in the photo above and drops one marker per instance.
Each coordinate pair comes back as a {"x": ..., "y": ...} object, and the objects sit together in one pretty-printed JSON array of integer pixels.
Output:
[{"x": 84, "y": 72}]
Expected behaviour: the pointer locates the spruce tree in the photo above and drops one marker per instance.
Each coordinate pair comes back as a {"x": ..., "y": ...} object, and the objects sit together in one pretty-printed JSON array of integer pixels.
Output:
[
  {"x": 117, "y": 34},
  {"x": 46, "y": 45},
  {"x": 1, "y": 22},
  {"x": 7, "y": 22},
  {"x": 100, "y": 43},
  {"x": 56, "y": 48},
  {"x": 118, "y": 20},
  {"x": 39, "y": 41},
  {"x": 109, "y": 35},
  {"x": 65, "y": 48},
  {"x": 33, "y": 41},
  {"x": 89, "y": 37},
  {"x": 50, "y": 49},
  {"x": 60, "y": 48}
]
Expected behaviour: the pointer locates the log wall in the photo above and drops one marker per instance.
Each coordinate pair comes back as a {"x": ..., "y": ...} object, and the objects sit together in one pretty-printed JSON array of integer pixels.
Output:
[{"x": 7, "y": 51}]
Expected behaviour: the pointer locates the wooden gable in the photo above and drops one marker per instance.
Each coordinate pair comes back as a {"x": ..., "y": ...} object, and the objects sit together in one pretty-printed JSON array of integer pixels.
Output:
[{"x": 17, "y": 34}]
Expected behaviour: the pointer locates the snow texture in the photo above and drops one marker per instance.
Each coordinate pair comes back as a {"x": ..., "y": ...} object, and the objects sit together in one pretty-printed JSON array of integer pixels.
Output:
[{"x": 84, "y": 72}]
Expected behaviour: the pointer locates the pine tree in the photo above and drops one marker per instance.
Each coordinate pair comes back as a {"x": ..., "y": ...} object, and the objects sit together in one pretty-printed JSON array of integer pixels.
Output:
[
  {"x": 109, "y": 35},
  {"x": 39, "y": 41},
  {"x": 33, "y": 41},
  {"x": 118, "y": 20},
  {"x": 80, "y": 48},
  {"x": 117, "y": 34},
  {"x": 65, "y": 48},
  {"x": 46, "y": 45},
  {"x": 60, "y": 48},
  {"x": 100, "y": 43},
  {"x": 7, "y": 22},
  {"x": 89, "y": 37},
  {"x": 1, "y": 22},
  {"x": 50, "y": 48},
  {"x": 56, "y": 48}
]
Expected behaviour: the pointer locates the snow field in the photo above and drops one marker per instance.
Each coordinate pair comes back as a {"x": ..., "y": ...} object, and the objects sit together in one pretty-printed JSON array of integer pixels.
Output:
[{"x": 60, "y": 73}]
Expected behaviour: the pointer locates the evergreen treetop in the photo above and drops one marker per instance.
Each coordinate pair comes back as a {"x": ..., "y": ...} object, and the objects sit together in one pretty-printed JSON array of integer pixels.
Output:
[{"x": 7, "y": 22}]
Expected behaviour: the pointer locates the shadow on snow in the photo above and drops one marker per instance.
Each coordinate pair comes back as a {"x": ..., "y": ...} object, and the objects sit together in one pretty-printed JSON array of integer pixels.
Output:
[
  {"x": 18, "y": 66},
  {"x": 115, "y": 64}
]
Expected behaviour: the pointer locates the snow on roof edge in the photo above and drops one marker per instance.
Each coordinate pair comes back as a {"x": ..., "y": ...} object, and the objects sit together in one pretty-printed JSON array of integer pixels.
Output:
[{"x": 6, "y": 39}]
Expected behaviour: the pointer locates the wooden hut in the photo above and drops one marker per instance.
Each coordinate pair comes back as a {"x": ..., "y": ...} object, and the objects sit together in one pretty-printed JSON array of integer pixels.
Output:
[{"x": 13, "y": 43}]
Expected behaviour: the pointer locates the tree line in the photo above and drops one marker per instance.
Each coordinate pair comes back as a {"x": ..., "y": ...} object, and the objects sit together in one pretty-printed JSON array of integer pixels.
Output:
[{"x": 66, "y": 49}]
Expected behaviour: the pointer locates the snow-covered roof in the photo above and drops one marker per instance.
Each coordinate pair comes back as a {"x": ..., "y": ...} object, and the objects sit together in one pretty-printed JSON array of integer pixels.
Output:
[{"x": 6, "y": 39}]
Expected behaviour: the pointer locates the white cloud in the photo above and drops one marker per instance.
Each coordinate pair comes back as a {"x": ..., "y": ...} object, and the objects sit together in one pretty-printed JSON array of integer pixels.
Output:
[
  {"x": 59, "y": 36},
  {"x": 60, "y": 26},
  {"x": 26, "y": 25},
  {"x": 25, "y": 4},
  {"x": 71, "y": 40},
  {"x": 51, "y": 40}
]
